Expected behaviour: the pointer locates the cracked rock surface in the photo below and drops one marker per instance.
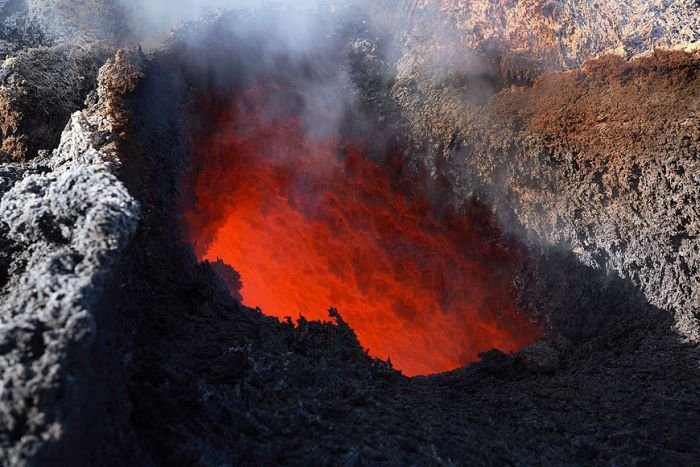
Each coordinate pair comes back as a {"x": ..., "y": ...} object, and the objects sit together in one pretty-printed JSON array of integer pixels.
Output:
[{"x": 525, "y": 38}]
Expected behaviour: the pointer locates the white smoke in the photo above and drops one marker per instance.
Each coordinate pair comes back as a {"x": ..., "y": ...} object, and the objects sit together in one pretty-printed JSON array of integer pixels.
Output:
[{"x": 151, "y": 19}]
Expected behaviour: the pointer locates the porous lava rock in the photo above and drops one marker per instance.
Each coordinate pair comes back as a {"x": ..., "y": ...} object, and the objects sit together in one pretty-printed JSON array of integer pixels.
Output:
[
  {"x": 55, "y": 79},
  {"x": 65, "y": 219},
  {"x": 118, "y": 348},
  {"x": 51, "y": 52},
  {"x": 600, "y": 161},
  {"x": 523, "y": 39}
]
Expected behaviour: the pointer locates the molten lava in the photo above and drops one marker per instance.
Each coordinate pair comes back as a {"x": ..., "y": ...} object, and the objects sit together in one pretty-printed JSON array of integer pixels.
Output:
[{"x": 312, "y": 222}]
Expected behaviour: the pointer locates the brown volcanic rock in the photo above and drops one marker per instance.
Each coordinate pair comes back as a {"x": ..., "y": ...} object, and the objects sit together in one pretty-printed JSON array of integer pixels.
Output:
[
  {"x": 567, "y": 33},
  {"x": 602, "y": 161},
  {"x": 39, "y": 89},
  {"x": 51, "y": 51},
  {"x": 525, "y": 38}
]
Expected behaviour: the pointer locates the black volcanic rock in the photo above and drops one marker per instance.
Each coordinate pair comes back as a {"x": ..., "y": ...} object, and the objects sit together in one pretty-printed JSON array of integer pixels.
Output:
[
  {"x": 118, "y": 348},
  {"x": 231, "y": 278}
]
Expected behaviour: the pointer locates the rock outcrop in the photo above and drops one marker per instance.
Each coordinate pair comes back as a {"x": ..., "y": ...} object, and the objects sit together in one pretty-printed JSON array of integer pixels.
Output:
[
  {"x": 51, "y": 53},
  {"x": 601, "y": 161},
  {"x": 55, "y": 80},
  {"x": 118, "y": 348},
  {"x": 66, "y": 218},
  {"x": 525, "y": 38}
]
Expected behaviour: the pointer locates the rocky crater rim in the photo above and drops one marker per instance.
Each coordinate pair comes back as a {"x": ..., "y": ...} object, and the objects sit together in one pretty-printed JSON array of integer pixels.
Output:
[
  {"x": 531, "y": 268},
  {"x": 99, "y": 216}
]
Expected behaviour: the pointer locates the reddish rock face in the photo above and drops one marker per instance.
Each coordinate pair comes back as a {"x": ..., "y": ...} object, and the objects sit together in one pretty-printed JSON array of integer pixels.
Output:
[{"x": 523, "y": 39}]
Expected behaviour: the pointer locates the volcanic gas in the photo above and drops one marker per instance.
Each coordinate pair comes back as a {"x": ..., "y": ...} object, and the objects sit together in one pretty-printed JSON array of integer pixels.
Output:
[{"x": 312, "y": 222}]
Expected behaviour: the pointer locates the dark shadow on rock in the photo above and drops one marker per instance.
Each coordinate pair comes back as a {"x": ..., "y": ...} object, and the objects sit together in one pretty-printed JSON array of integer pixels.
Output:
[{"x": 195, "y": 378}]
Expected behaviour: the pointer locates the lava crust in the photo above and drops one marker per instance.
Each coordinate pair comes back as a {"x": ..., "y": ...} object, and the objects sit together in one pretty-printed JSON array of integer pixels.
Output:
[{"x": 123, "y": 343}]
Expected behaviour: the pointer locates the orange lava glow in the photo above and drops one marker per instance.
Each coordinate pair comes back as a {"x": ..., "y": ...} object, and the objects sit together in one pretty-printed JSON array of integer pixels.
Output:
[{"x": 312, "y": 223}]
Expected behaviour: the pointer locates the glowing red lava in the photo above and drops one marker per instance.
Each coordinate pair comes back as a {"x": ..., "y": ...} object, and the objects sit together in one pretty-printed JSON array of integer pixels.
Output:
[{"x": 311, "y": 224}]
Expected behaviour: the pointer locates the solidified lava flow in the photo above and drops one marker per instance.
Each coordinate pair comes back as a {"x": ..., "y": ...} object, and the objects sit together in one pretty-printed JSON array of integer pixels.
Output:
[{"x": 313, "y": 222}]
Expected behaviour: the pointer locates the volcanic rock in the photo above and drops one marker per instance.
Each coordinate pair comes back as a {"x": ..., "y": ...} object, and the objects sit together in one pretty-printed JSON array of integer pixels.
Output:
[
  {"x": 577, "y": 159},
  {"x": 539, "y": 357},
  {"x": 51, "y": 53},
  {"x": 66, "y": 219},
  {"x": 118, "y": 348},
  {"x": 57, "y": 80}
]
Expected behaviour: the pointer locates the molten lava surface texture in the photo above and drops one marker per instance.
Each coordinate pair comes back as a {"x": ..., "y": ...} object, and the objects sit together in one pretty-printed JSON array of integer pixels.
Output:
[{"x": 312, "y": 222}]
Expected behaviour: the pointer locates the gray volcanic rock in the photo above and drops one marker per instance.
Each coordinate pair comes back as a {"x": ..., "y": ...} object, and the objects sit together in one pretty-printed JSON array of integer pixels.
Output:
[
  {"x": 18, "y": 30},
  {"x": 602, "y": 162},
  {"x": 526, "y": 38},
  {"x": 67, "y": 218},
  {"x": 36, "y": 23},
  {"x": 55, "y": 79},
  {"x": 118, "y": 348},
  {"x": 51, "y": 52}
]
